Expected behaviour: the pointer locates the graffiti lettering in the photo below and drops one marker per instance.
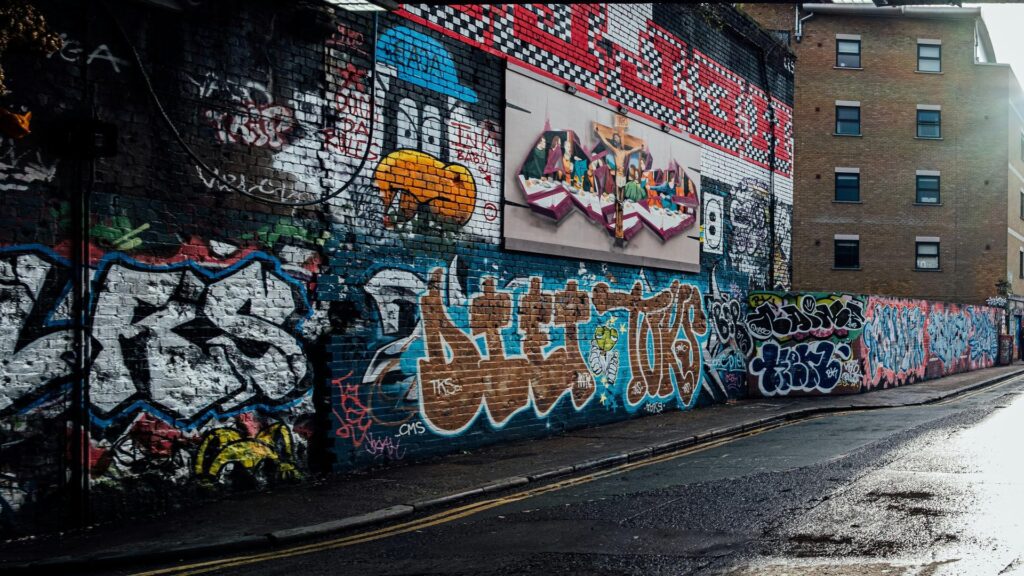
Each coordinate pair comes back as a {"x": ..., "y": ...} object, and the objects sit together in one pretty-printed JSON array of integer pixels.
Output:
[
  {"x": 948, "y": 335},
  {"x": 805, "y": 367},
  {"x": 385, "y": 446},
  {"x": 411, "y": 429},
  {"x": 181, "y": 339},
  {"x": 806, "y": 315},
  {"x": 894, "y": 341},
  {"x": 505, "y": 385},
  {"x": 354, "y": 418},
  {"x": 20, "y": 169},
  {"x": 261, "y": 186},
  {"x": 260, "y": 125},
  {"x": 984, "y": 337},
  {"x": 661, "y": 361}
]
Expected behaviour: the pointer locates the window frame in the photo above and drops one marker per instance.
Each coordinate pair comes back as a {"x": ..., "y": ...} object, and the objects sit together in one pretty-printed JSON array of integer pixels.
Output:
[
  {"x": 938, "y": 59},
  {"x": 858, "y": 54},
  {"x": 917, "y": 254},
  {"x": 937, "y": 123},
  {"x": 839, "y": 107},
  {"x": 855, "y": 242},
  {"x": 921, "y": 174},
  {"x": 846, "y": 173}
]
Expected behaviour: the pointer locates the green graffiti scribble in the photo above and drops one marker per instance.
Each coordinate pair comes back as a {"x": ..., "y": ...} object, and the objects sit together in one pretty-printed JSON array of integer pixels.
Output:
[
  {"x": 119, "y": 234},
  {"x": 268, "y": 236}
]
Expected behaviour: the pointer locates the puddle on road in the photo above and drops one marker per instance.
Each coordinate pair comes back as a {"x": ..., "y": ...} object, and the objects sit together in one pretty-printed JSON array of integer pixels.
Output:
[
  {"x": 960, "y": 499},
  {"x": 841, "y": 569}
]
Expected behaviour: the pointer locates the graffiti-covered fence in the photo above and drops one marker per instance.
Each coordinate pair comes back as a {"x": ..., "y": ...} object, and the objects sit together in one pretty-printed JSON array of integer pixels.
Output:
[{"x": 827, "y": 343}]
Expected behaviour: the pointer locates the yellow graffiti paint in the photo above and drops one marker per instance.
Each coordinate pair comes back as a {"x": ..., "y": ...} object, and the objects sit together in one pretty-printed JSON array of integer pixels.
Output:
[{"x": 419, "y": 181}]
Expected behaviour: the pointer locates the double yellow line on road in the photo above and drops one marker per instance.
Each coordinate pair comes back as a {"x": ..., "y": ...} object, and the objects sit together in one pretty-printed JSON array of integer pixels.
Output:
[
  {"x": 478, "y": 507},
  {"x": 454, "y": 513}
]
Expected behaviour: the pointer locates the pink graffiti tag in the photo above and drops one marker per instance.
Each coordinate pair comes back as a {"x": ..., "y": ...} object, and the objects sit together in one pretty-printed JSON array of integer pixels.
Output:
[
  {"x": 261, "y": 125},
  {"x": 385, "y": 446},
  {"x": 355, "y": 416}
]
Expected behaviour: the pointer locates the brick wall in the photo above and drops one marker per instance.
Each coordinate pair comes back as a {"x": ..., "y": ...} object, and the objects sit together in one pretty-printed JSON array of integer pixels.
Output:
[
  {"x": 325, "y": 284},
  {"x": 818, "y": 343},
  {"x": 970, "y": 157}
]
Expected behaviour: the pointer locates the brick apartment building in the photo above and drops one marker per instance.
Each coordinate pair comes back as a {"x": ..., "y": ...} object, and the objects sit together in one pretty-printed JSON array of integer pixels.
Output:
[{"x": 911, "y": 152}]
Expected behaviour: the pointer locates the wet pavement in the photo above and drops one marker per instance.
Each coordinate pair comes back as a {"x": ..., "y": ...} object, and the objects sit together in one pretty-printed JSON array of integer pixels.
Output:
[{"x": 923, "y": 490}]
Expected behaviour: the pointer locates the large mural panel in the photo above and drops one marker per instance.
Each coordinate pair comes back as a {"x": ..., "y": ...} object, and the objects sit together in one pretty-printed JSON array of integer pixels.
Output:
[{"x": 583, "y": 180}]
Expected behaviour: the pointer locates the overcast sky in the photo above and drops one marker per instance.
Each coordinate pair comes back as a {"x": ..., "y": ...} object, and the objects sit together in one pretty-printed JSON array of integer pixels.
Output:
[{"x": 1005, "y": 23}]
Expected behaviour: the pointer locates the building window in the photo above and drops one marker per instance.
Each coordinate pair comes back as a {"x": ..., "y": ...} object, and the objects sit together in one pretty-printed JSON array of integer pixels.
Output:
[
  {"x": 929, "y": 123},
  {"x": 1022, "y": 146},
  {"x": 847, "y": 53},
  {"x": 927, "y": 189},
  {"x": 847, "y": 253},
  {"x": 1021, "y": 204},
  {"x": 929, "y": 57},
  {"x": 847, "y": 186},
  {"x": 927, "y": 255},
  {"x": 848, "y": 120},
  {"x": 1020, "y": 262}
]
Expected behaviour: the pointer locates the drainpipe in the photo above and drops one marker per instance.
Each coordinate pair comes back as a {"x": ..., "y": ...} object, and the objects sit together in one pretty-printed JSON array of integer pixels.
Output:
[
  {"x": 771, "y": 165},
  {"x": 80, "y": 195},
  {"x": 798, "y": 32}
]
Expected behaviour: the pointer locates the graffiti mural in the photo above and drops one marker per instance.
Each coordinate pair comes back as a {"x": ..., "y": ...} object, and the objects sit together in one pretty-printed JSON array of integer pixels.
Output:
[
  {"x": 805, "y": 343},
  {"x": 729, "y": 344},
  {"x": 440, "y": 157},
  {"x": 612, "y": 183},
  {"x": 197, "y": 368},
  {"x": 592, "y": 182},
  {"x": 894, "y": 342},
  {"x": 830, "y": 343},
  {"x": 456, "y": 353}
]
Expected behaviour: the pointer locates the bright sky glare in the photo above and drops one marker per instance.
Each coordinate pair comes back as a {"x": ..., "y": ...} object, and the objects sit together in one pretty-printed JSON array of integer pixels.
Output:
[{"x": 1004, "y": 23}]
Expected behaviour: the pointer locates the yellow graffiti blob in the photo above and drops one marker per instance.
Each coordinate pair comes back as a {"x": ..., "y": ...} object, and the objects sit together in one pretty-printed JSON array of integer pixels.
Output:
[
  {"x": 419, "y": 181},
  {"x": 226, "y": 446}
]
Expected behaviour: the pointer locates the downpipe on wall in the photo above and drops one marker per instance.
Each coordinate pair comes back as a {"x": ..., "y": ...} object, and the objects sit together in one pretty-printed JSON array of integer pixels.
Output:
[{"x": 85, "y": 169}]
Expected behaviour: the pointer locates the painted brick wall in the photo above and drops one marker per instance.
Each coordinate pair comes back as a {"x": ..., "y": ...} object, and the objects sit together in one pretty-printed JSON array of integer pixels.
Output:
[
  {"x": 371, "y": 314},
  {"x": 816, "y": 343}
]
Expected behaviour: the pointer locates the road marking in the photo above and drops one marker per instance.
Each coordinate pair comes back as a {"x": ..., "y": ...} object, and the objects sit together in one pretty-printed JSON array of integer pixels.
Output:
[
  {"x": 477, "y": 507},
  {"x": 973, "y": 393},
  {"x": 462, "y": 511}
]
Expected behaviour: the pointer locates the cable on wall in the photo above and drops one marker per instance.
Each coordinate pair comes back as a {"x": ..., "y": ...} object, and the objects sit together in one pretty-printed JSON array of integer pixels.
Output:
[{"x": 214, "y": 173}]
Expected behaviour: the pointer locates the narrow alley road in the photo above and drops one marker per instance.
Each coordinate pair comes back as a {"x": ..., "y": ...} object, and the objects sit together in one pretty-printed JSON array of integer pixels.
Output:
[{"x": 931, "y": 490}]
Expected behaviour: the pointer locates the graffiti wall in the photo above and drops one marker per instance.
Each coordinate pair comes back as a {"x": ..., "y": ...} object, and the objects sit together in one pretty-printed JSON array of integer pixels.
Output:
[
  {"x": 455, "y": 356},
  {"x": 814, "y": 343},
  {"x": 323, "y": 277}
]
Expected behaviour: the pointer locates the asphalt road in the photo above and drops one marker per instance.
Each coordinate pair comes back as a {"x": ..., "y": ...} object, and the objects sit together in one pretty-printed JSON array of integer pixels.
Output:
[{"x": 928, "y": 491}]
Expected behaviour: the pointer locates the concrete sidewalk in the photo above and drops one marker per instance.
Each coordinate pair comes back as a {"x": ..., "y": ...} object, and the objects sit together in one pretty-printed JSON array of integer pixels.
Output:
[{"x": 258, "y": 520}]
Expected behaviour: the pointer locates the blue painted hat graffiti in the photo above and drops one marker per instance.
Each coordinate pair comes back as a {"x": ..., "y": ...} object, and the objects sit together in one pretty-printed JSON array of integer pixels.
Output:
[{"x": 423, "y": 61}]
